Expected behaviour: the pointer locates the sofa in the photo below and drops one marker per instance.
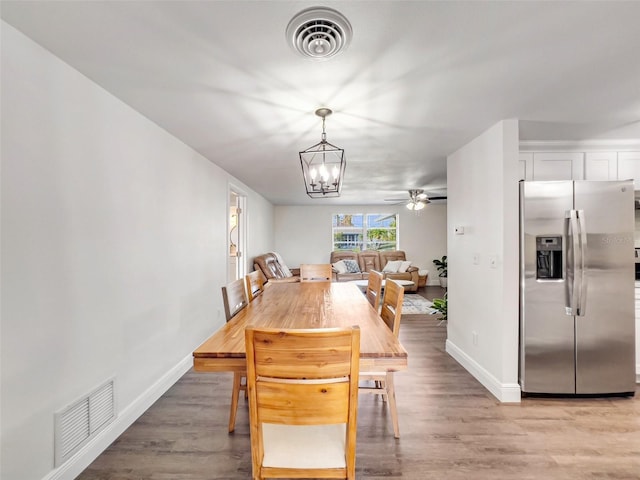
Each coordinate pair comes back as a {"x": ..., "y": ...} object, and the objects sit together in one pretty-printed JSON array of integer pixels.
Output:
[
  {"x": 274, "y": 269},
  {"x": 375, "y": 260}
]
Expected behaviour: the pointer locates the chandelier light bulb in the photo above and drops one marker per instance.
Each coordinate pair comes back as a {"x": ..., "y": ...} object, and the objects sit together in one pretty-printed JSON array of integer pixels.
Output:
[{"x": 324, "y": 173}]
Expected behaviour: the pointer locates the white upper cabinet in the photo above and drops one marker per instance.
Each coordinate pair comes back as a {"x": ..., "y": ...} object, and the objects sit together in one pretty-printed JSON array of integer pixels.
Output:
[
  {"x": 601, "y": 166},
  {"x": 526, "y": 166},
  {"x": 558, "y": 166},
  {"x": 629, "y": 167},
  {"x": 569, "y": 163}
]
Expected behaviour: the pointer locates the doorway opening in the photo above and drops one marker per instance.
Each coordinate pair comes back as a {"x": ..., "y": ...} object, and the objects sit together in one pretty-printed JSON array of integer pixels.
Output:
[{"x": 236, "y": 238}]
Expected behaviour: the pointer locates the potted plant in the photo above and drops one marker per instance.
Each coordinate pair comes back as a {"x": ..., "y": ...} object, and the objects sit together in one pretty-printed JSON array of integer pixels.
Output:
[
  {"x": 440, "y": 304},
  {"x": 441, "y": 265}
]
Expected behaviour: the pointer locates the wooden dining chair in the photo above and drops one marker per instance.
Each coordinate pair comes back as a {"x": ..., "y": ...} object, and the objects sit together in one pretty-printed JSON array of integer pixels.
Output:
[
  {"x": 374, "y": 288},
  {"x": 315, "y": 272},
  {"x": 234, "y": 297},
  {"x": 254, "y": 284},
  {"x": 383, "y": 381},
  {"x": 303, "y": 401}
]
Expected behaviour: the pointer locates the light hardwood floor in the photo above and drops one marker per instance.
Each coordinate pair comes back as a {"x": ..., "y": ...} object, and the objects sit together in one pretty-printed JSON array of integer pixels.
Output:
[{"x": 450, "y": 426}]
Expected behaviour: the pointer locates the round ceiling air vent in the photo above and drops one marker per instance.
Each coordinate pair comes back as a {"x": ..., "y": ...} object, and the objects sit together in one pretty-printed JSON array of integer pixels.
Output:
[{"x": 319, "y": 32}]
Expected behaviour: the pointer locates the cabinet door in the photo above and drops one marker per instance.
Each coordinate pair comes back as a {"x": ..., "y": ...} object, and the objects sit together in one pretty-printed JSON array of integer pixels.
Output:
[
  {"x": 526, "y": 166},
  {"x": 629, "y": 167},
  {"x": 601, "y": 166},
  {"x": 558, "y": 166}
]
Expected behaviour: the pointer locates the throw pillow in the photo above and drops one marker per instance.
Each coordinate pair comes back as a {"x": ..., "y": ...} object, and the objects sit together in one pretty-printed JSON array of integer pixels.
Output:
[
  {"x": 392, "y": 266},
  {"x": 404, "y": 266},
  {"x": 340, "y": 266},
  {"x": 352, "y": 266}
]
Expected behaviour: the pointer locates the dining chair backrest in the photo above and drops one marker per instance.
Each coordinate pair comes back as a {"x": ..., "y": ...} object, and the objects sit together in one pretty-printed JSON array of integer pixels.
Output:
[
  {"x": 315, "y": 272},
  {"x": 234, "y": 297},
  {"x": 254, "y": 284},
  {"x": 392, "y": 305},
  {"x": 374, "y": 288},
  {"x": 303, "y": 401}
]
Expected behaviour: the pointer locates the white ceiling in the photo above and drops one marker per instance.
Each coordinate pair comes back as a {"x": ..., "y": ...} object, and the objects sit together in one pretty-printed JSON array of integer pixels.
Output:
[{"x": 419, "y": 80}]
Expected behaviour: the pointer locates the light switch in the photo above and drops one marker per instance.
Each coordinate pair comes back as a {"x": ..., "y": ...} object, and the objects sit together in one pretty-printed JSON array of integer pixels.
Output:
[
  {"x": 459, "y": 230},
  {"x": 476, "y": 259}
]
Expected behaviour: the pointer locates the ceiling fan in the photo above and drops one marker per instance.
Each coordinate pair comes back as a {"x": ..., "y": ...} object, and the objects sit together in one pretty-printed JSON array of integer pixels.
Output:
[{"x": 417, "y": 199}]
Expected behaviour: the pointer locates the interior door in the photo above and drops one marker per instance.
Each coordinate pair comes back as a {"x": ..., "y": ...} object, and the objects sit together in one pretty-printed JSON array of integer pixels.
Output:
[
  {"x": 233, "y": 229},
  {"x": 236, "y": 238}
]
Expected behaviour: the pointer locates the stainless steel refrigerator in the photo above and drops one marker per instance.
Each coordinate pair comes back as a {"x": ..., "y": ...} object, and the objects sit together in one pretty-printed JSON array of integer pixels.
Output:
[{"x": 577, "y": 313}]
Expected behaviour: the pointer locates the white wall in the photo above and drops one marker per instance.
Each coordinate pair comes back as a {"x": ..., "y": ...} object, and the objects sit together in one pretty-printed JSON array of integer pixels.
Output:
[
  {"x": 482, "y": 186},
  {"x": 261, "y": 228},
  {"x": 303, "y": 234},
  {"x": 114, "y": 249}
]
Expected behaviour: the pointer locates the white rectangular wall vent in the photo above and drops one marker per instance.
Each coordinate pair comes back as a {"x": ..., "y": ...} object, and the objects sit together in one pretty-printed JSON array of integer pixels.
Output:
[{"x": 84, "y": 418}]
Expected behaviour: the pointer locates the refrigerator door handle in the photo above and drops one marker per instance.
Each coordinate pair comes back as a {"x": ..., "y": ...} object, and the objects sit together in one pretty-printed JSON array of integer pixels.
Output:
[
  {"x": 572, "y": 284},
  {"x": 582, "y": 278}
]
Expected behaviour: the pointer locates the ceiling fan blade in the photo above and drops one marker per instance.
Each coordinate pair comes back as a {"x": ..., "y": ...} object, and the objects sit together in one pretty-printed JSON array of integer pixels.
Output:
[{"x": 416, "y": 196}]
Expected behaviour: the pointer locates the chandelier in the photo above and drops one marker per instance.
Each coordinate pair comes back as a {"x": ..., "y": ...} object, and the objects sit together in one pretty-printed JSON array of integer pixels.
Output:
[{"x": 323, "y": 165}]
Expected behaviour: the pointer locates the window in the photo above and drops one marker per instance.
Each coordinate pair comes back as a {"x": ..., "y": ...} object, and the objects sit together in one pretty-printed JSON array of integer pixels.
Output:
[{"x": 371, "y": 231}]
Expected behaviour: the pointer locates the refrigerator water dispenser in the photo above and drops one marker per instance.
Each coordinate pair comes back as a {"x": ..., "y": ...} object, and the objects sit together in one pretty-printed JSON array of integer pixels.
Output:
[{"x": 549, "y": 257}]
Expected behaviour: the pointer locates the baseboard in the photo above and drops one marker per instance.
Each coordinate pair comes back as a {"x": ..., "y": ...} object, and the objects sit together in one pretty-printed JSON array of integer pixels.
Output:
[
  {"x": 83, "y": 458},
  {"x": 505, "y": 392}
]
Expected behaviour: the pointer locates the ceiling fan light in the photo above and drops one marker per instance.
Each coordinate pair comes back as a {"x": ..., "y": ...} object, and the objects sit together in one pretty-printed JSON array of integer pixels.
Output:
[{"x": 415, "y": 205}]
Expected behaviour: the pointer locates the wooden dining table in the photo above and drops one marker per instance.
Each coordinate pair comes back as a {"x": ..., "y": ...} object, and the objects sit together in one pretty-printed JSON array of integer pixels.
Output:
[{"x": 304, "y": 305}]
